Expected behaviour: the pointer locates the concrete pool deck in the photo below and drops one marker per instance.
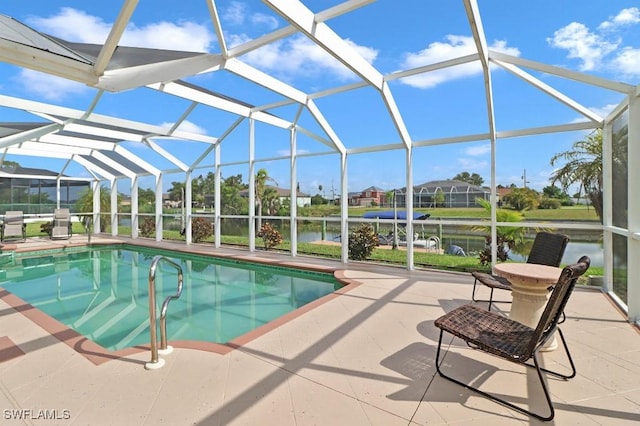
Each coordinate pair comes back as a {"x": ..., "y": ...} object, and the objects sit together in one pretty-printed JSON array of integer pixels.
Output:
[{"x": 365, "y": 357}]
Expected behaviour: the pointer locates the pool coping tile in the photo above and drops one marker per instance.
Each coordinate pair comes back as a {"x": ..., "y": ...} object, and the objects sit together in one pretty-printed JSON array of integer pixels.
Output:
[
  {"x": 98, "y": 355},
  {"x": 8, "y": 349}
]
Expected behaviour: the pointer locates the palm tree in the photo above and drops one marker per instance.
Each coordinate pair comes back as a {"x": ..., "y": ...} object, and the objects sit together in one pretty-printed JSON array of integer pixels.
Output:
[
  {"x": 584, "y": 167},
  {"x": 508, "y": 237},
  {"x": 388, "y": 198},
  {"x": 85, "y": 204},
  {"x": 263, "y": 193}
]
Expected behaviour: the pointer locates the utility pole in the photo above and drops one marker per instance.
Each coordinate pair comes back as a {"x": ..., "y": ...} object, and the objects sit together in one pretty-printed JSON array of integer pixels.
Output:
[
  {"x": 333, "y": 193},
  {"x": 524, "y": 179}
]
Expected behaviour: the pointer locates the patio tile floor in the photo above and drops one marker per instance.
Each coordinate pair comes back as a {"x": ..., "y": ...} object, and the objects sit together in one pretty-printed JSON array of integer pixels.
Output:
[{"x": 365, "y": 357}]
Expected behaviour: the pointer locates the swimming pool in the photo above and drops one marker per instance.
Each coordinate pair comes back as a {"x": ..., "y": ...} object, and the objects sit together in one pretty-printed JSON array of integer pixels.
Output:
[{"x": 102, "y": 292}]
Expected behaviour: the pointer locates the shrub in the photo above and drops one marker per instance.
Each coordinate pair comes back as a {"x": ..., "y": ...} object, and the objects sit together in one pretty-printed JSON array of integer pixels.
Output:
[
  {"x": 270, "y": 236},
  {"x": 148, "y": 227},
  {"x": 506, "y": 236},
  {"x": 47, "y": 228},
  {"x": 201, "y": 229},
  {"x": 549, "y": 203},
  {"x": 523, "y": 199},
  {"x": 362, "y": 241},
  {"x": 505, "y": 244}
]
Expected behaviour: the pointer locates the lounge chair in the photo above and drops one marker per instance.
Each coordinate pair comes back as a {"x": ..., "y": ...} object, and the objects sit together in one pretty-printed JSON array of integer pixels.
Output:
[
  {"x": 61, "y": 225},
  {"x": 548, "y": 249},
  {"x": 505, "y": 338},
  {"x": 13, "y": 225}
]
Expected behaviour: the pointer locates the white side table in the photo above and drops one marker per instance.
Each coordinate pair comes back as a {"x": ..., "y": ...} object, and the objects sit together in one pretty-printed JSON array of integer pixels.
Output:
[{"x": 530, "y": 283}]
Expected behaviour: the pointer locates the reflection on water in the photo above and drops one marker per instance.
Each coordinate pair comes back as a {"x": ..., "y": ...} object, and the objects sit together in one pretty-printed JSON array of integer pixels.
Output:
[
  {"x": 581, "y": 242},
  {"x": 591, "y": 247},
  {"x": 577, "y": 249}
]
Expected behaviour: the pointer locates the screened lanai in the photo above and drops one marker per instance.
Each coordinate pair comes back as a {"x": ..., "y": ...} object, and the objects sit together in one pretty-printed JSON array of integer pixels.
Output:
[
  {"x": 129, "y": 116},
  {"x": 453, "y": 193}
]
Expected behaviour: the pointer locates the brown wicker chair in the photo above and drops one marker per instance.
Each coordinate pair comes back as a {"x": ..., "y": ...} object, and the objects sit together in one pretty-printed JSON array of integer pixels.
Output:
[
  {"x": 508, "y": 339},
  {"x": 547, "y": 249}
]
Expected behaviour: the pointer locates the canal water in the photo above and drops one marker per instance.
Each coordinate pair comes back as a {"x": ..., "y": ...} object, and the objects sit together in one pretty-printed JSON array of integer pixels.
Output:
[{"x": 589, "y": 243}]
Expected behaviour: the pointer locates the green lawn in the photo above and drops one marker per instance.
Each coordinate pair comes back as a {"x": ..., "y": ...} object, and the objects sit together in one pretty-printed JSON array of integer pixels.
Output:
[
  {"x": 396, "y": 257},
  {"x": 582, "y": 213},
  {"x": 33, "y": 229}
]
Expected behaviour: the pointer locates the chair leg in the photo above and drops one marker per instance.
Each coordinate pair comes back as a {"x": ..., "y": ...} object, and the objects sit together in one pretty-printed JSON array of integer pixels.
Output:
[
  {"x": 569, "y": 358},
  {"x": 489, "y": 300},
  {"x": 500, "y": 400},
  {"x": 563, "y": 319},
  {"x": 473, "y": 293}
]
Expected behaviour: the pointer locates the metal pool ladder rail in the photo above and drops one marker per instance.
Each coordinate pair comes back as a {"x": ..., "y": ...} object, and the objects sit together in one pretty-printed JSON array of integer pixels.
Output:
[{"x": 156, "y": 362}]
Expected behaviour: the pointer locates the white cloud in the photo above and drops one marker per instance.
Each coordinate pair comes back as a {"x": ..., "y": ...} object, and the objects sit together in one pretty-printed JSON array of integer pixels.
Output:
[
  {"x": 289, "y": 58},
  {"x": 478, "y": 150},
  {"x": 368, "y": 53},
  {"x": 582, "y": 44},
  {"x": 234, "y": 40},
  {"x": 603, "y": 48},
  {"x": 267, "y": 56},
  {"x": 627, "y": 62},
  {"x": 185, "y": 36},
  {"x": 265, "y": 20},
  {"x": 624, "y": 17},
  {"x": 602, "y": 111},
  {"x": 77, "y": 26},
  {"x": 628, "y": 16},
  {"x": 48, "y": 86},
  {"x": 186, "y": 126},
  {"x": 235, "y": 13},
  {"x": 454, "y": 46},
  {"x": 471, "y": 164},
  {"x": 298, "y": 56},
  {"x": 605, "y": 110},
  {"x": 73, "y": 25}
]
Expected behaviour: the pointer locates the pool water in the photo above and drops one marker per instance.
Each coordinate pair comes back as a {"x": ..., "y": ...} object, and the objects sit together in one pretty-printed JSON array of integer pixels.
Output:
[{"x": 102, "y": 293}]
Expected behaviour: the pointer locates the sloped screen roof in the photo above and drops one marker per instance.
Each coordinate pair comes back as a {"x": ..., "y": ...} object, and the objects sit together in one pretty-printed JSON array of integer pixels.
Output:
[
  {"x": 191, "y": 94},
  {"x": 15, "y": 31}
]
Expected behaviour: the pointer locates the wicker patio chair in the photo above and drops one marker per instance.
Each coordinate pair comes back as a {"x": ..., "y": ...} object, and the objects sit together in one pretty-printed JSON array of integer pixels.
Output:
[
  {"x": 61, "y": 226},
  {"x": 511, "y": 340},
  {"x": 547, "y": 249},
  {"x": 13, "y": 225}
]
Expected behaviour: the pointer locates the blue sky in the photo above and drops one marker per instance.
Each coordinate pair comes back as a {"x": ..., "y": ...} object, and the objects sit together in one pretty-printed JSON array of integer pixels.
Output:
[{"x": 598, "y": 37}]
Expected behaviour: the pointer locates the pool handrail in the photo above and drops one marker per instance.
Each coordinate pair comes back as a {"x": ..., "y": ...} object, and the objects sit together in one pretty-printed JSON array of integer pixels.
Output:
[
  {"x": 157, "y": 362},
  {"x": 165, "y": 306}
]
